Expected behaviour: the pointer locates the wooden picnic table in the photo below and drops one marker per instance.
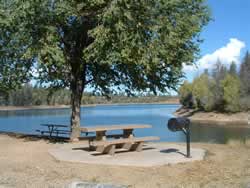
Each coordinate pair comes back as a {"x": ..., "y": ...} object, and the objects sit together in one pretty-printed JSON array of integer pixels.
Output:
[{"x": 127, "y": 140}]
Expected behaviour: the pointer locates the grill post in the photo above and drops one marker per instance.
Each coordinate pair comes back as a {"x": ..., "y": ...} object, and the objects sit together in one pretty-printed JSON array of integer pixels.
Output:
[
  {"x": 188, "y": 141},
  {"x": 181, "y": 124}
]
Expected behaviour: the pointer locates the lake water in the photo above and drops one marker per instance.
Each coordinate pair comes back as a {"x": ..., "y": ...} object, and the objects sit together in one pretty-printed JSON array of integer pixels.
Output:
[{"x": 157, "y": 115}]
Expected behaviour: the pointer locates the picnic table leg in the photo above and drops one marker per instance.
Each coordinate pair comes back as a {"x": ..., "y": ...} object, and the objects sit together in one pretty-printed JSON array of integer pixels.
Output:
[
  {"x": 50, "y": 131},
  {"x": 128, "y": 133},
  {"x": 91, "y": 148},
  {"x": 100, "y": 149},
  {"x": 109, "y": 150},
  {"x": 137, "y": 147},
  {"x": 101, "y": 135},
  {"x": 106, "y": 149}
]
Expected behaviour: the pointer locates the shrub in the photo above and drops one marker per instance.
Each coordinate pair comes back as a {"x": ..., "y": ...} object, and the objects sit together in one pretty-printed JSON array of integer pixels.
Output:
[
  {"x": 186, "y": 96},
  {"x": 202, "y": 92},
  {"x": 231, "y": 93}
]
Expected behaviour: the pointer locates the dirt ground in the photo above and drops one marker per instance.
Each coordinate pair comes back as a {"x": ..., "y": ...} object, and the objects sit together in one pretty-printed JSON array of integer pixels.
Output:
[{"x": 25, "y": 162}]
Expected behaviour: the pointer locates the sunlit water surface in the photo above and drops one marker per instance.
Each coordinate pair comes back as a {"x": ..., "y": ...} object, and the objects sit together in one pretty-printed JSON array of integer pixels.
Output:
[{"x": 157, "y": 115}]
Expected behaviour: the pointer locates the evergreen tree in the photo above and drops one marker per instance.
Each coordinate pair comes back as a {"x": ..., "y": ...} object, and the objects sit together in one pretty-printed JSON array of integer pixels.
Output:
[
  {"x": 245, "y": 75},
  {"x": 218, "y": 73},
  {"x": 206, "y": 72},
  {"x": 233, "y": 69}
]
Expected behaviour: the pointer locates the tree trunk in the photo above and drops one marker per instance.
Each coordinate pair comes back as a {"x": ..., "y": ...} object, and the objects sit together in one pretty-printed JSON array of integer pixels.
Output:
[{"x": 76, "y": 96}]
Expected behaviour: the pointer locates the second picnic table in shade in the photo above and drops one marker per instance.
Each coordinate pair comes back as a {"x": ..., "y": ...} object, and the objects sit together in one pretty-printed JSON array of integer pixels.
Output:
[{"x": 54, "y": 129}]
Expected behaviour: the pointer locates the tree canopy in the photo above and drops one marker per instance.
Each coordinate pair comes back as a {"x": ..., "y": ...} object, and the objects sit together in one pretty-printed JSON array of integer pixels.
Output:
[
  {"x": 14, "y": 68},
  {"x": 108, "y": 45}
]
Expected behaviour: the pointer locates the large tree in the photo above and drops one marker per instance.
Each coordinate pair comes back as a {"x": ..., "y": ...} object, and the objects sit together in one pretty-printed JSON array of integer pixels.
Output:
[{"x": 108, "y": 45}]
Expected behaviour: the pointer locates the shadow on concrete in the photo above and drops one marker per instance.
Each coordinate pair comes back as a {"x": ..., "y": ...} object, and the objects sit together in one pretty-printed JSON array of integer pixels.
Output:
[
  {"x": 124, "y": 151},
  {"x": 172, "y": 150},
  {"x": 83, "y": 149}
]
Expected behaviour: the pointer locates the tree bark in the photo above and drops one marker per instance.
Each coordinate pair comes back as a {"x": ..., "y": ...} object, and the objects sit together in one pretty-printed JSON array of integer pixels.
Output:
[
  {"x": 77, "y": 81},
  {"x": 77, "y": 86}
]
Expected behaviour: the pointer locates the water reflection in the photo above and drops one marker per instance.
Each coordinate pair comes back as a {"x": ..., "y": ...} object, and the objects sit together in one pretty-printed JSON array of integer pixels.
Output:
[{"x": 217, "y": 134}]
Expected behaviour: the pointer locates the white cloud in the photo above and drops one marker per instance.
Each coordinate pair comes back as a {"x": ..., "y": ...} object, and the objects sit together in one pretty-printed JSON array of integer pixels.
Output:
[{"x": 226, "y": 54}]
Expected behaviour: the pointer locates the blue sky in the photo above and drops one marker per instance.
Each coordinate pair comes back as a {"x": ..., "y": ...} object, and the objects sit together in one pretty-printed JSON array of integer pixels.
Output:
[{"x": 226, "y": 37}]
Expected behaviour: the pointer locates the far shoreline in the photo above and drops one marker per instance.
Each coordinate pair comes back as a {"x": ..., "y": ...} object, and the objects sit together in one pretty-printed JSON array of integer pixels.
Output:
[{"x": 44, "y": 107}]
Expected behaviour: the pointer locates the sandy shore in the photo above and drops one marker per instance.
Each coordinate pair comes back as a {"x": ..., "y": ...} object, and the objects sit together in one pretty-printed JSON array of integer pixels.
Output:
[
  {"x": 215, "y": 118},
  {"x": 25, "y": 162}
]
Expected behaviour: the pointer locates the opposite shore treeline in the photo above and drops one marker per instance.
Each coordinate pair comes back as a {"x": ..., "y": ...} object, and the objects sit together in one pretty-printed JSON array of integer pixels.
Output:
[
  {"x": 221, "y": 89},
  {"x": 28, "y": 95}
]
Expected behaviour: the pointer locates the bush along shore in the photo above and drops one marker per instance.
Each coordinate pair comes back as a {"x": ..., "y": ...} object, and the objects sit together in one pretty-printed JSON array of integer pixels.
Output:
[{"x": 220, "y": 95}]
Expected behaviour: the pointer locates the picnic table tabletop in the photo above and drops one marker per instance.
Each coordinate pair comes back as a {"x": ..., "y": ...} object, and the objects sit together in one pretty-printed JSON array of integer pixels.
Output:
[{"x": 113, "y": 127}]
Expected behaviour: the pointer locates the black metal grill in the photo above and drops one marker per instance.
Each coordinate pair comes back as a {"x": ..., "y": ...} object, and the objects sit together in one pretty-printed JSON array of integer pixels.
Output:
[{"x": 181, "y": 124}]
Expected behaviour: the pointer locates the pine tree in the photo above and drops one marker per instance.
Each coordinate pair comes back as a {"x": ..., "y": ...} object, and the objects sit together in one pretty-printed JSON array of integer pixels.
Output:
[
  {"x": 233, "y": 69},
  {"x": 219, "y": 72},
  {"x": 245, "y": 75}
]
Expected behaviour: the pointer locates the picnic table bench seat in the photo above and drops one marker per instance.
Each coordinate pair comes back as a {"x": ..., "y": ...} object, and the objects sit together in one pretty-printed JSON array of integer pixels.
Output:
[
  {"x": 131, "y": 144},
  {"x": 57, "y": 132}
]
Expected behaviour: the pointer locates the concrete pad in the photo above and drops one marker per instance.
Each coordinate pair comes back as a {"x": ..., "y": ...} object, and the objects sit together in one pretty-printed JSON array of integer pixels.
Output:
[{"x": 153, "y": 154}]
